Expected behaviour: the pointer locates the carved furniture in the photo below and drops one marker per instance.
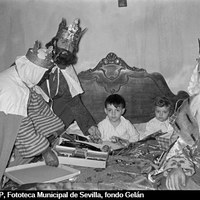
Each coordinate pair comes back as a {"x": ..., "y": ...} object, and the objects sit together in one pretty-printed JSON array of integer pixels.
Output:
[{"x": 139, "y": 88}]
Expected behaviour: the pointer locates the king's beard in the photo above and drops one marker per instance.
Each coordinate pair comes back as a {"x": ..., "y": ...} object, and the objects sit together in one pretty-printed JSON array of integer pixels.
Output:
[{"x": 64, "y": 58}]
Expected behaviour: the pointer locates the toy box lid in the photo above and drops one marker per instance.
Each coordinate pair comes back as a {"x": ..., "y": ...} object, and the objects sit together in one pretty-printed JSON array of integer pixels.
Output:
[
  {"x": 40, "y": 172},
  {"x": 81, "y": 157}
]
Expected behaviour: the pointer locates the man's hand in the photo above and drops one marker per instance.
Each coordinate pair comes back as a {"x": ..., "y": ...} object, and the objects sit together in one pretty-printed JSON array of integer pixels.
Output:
[
  {"x": 95, "y": 134},
  {"x": 176, "y": 179}
]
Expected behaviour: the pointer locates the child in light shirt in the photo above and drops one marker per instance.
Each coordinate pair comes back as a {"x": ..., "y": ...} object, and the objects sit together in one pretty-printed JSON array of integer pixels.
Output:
[
  {"x": 161, "y": 120},
  {"x": 115, "y": 125}
]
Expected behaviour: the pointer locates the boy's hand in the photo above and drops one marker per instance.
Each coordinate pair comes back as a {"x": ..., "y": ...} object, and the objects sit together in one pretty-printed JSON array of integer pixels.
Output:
[{"x": 119, "y": 141}]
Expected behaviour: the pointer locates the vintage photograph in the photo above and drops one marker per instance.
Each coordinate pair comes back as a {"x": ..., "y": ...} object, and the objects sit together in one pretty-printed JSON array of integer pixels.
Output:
[{"x": 99, "y": 95}]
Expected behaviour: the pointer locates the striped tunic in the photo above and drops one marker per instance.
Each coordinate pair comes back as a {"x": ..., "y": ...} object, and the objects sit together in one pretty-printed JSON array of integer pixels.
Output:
[{"x": 40, "y": 123}]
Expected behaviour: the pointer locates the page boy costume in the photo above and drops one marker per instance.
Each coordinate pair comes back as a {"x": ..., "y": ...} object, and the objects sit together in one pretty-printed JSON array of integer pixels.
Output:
[{"x": 25, "y": 118}]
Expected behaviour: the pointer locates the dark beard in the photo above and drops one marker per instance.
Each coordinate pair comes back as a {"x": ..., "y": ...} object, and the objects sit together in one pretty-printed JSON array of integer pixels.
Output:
[
  {"x": 66, "y": 58},
  {"x": 62, "y": 57}
]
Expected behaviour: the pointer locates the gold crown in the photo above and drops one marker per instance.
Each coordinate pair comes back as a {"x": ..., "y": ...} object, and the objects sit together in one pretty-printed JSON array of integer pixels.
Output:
[
  {"x": 69, "y": 36},
  {"x": 39, "y": 56}
]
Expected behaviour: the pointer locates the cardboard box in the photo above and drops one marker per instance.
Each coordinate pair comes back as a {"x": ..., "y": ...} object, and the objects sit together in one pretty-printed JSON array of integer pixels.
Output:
[
  {"x": 81, "y": 157},
  {"x": 40, "y": 173}
]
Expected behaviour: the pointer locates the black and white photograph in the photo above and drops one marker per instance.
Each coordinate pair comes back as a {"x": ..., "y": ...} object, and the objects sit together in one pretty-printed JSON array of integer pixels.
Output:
[{"x": 99, "y": 98}]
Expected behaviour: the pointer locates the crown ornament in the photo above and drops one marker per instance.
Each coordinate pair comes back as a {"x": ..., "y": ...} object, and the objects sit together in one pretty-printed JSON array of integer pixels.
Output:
[
  {"x": 69, "y": 36},
  {"x": 40, "y": 56}
]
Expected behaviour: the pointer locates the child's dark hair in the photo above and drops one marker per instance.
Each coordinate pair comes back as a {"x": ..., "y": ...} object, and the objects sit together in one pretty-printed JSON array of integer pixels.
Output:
[
  {"x": 116, "y": 100},
  {"x": 163, "y": 101}
]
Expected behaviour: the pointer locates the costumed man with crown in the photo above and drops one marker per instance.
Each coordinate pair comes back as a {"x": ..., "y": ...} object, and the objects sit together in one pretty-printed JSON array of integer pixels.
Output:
[
  {"x": 189, "y": 118},
  {"x": 26, "y": 121},
  {"x": 62, "y": 85}
]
